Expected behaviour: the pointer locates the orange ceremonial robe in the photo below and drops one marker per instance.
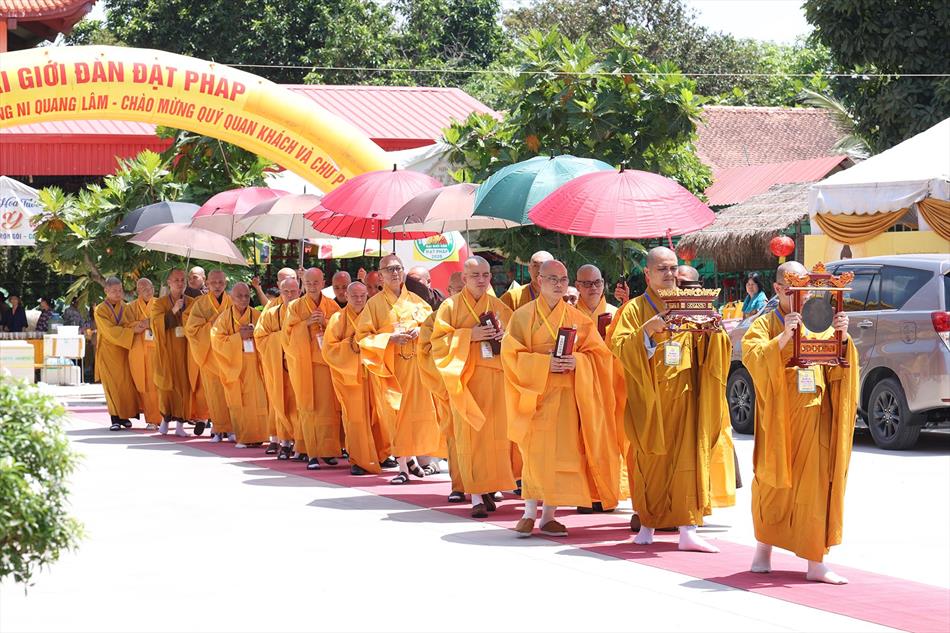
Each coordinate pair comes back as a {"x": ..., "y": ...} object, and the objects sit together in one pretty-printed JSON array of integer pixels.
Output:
[
  {"x": 802, "y": 443},
  {"x": 676, "y": 416},
  {"x": 198, "y": 330},
  {"x": 318, "y": 409},
  {"x": 432, "y": 381},
  {"x": 175, "y": 394},
  {"x": 475, "y": 381},
  {"x": 367, "y": 441},
  {"x": 561, "y": 422},
  {"x": 239, "y": 369},
  {"x": 282, "y": 409},
  {"x": 142, "y": 364},
  {"x": 114, "y": 339},
  {"x": 404, "y": 404}
]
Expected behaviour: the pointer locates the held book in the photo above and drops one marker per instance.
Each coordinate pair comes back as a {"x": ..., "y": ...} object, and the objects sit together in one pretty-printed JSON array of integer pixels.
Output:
[
  {"x": 564, "y": 343},
  {"x": 491, "y": 318},
  {"x": 603, "y": 320}
]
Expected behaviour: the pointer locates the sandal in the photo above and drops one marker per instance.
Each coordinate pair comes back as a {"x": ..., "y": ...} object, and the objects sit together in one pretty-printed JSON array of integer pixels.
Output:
[
  {"x": 284, "y": 453},
  {"x": 330, "y": 461},
  {"x": 272, "y": 448},
  {"x": 126, "y": 424},
  {"x": 415, "y": 470},
  {"x": 489, "y": 502},
  {"x": 116, "y": 427},
  {"x": 400, "y": 479},
  {"x": 432, "y": 468},
  {"x": 456, "y": 497}
]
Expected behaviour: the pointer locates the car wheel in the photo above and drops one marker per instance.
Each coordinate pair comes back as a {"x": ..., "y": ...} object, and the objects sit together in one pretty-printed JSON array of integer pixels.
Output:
[
  {"x": 889, "y": 419},
  {"x": 740, "y": 394}
]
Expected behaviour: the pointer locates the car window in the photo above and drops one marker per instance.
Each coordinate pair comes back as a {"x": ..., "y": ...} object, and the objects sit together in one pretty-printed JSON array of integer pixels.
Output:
[
  {"x": 946, "y": 292},
  {"x": 898, "y": 284},
  {"x": 856, "y": 298},
  {"x": 873, "y": 301}
]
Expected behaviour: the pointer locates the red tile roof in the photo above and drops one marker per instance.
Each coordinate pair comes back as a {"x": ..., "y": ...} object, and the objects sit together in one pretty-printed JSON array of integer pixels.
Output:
[
  {"x": 42, "y": 8},
  {"x": 734, "y": 136},
  {"x": 738, "y": 184},
  {"x": 393, "y": 117}
]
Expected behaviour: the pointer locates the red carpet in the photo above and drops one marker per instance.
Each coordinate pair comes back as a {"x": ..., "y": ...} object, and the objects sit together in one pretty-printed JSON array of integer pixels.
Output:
[{"x": 884, "y": 600}]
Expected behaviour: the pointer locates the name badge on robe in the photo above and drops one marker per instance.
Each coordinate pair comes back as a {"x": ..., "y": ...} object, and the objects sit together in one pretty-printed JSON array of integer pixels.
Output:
[
  {"x": 248, "y": 346},
  {"x": 486, "y": 350},
  {"x": 179, "y": 332},
  {"x": 806, "y": 381},
  {"x": 320, "y": 341},
  {"x": 149, "y": 336},
  {"x": 672, "y": 354}
]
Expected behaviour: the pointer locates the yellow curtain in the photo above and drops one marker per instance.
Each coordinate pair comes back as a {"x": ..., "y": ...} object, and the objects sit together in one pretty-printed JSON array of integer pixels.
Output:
[
  {"x": 855, "y": 229},
  {"x": 937, "y": 214}
]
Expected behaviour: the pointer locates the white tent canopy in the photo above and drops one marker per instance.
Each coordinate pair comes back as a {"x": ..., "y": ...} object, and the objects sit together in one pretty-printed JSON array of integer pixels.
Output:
[
  {"x": 18, "y": 204},
  {"x": 895, "y": 179}
]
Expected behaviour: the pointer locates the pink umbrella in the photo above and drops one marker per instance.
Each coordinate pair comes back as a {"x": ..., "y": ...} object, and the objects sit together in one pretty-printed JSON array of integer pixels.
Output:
[
  {"x": 373, "y": 197},
  {"x": 341, "y": 225},
  {"x": 223, "y": 210},
  {"x": 189, "y": 242},
  {"x": 622, "y": 204}
]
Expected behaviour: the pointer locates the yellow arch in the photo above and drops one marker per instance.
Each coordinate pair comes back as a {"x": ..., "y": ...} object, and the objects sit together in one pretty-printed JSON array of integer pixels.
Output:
[{"x": 134, "y": 84}]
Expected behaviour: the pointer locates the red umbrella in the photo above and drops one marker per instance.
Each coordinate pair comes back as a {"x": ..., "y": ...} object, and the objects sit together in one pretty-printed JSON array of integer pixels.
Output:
[
  {"x": 223, "y": 210},
  {"x": 369, "y": 200},
  {"x": 622, "y": 204}
]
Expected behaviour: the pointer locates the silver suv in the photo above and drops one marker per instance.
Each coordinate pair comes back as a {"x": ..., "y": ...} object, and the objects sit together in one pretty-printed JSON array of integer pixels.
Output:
[{"x": 900, "y": 323}]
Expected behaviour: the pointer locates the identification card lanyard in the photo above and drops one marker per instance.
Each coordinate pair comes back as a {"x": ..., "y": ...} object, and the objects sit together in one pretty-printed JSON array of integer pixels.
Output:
[
  {"x": 484, "y": 346},
  {"x": 672, "y": 354},
  {"x": 806, "y": 380}
]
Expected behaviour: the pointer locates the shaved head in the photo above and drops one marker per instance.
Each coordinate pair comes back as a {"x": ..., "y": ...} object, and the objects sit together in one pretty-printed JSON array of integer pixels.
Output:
[
  {"x": 285, "y": 273},
  {"x": 477, "y": 275},
  {"x": 145, "y": 289},
  {"x": 456, "y": 283},
  {"x": 340, "y": 280},
  {"x": 356, "y": 296},
  {"x": 176, "y": 281},
  {"x": 552, "y": 276},
  {"x": 241, "y": 296},
  {"x": 289, "y": 289},
  {"x": 374, "y": 282},
  {"x": 659, "y": 253},
  {"x": 590, "y": 285},
  {"x": 313, "y": 282},
  {"x": 217, "y": 282},
  {"x": 114, "y": 290},
  {"x": 781, "y": 287},
  {"x": 393, "y": 273},
  {"x": 661, "y": 267},
  {"x": 196, "y": 278},
  {"x": 686, "y": 273},
  {"x": 534, "y": 265}
]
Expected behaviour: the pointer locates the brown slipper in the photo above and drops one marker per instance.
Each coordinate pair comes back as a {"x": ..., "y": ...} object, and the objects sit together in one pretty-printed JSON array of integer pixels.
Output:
[
  {"x": 489, "y": 503},
  {"x": 635, "y": 523},
  {"x": 553, "y": 528},
  {"x": 479, "y": 511},
  {"x": 524, "y": 528}
]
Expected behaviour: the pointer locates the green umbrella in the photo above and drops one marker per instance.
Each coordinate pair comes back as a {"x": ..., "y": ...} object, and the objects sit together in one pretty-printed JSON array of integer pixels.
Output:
[{"x": 512, "y": 191}]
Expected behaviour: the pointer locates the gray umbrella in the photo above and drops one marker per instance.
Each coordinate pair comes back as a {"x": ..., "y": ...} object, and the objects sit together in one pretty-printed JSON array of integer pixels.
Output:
[{"x": 158, "y": 213}]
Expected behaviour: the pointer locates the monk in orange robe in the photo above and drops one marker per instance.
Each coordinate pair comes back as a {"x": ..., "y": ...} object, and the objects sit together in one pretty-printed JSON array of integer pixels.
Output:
[
  {"x": 142, "y": 355},
  {"x": 804, "y": 427},
  {"x": 282, "y": 423},
  {"x": 474, "y": 379},
  {"x": 318, "y": 409},
  {"x": 559, "y": 407},
  {"x": 675, "y": 403},
  {"x": 116, "y": 332},
  {"x": 167, "y": 315},
  {"x": 388, "y": 336},
  {"x": 367, "y": 441},
  {"x": 204, "y": 311},
  {"x": 232, "y": 343}
]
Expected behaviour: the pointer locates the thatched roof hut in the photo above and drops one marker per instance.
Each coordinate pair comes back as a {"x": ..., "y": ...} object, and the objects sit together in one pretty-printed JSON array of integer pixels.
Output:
[{"x": 739, "y": 238}]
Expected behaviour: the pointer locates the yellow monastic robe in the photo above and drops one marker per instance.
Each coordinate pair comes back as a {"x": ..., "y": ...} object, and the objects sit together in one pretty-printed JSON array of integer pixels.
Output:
[
  {"x": 318, "y": 409},
  {"x": 198, "y": 331},
  {"x": 674, "y": 416},
  {"x": 520, "y": 296},
  {"x": 802, "y": 444},
  {"x": 620, "y": 391},
  {"x": 142, "y": 364},
  {"x": 432, "y": 382},
  {"x": 115, "y": 337},
  {"x": 403, "y": 403},
  {"x": 561, "y": 422},
  {"x": 282, "y": 416},
  {"x": 367, "y": 441},
  {"x": 476, "y": 392},
  {"x": 239, "y": 369},
  {"x": 175, "y": 395}
]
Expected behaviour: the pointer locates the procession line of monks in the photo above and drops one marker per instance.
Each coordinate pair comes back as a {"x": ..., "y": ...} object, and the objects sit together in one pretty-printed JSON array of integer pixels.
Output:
[{"x": 639, "y": 413}]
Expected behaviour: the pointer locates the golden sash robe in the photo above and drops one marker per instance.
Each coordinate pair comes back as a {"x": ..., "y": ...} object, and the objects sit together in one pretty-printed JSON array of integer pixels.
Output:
[
  {"x": 367, "y": 442},
  {"x": 282, "y": 416},
  {"x": 142, "y": 362},
  {"x": 520, "y": 296},
  {"x": 802, "y": 444},
  {"x": 318, "y": 409},
  {"x": 432, "y": 381},
  {"x": 561, "y": 422},
  {"x": 476, "y": 392},
  {"x": 175, "y": 395},
  {"x": 675, "y": 416},
  {"x": 198, "y": 330},
  {"x": 115, "y": 337},
  {"x": 404, "y": 404},
  {"x": 240, "y": 373},
  {"x": 602, "y": 307}
]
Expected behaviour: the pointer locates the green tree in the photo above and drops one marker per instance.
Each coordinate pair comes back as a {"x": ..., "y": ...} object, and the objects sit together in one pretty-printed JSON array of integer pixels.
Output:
[
  {"x": 616, "y": 106},
  {"x": 905, "y": 38},
  {"x": 35, "y": 465}
]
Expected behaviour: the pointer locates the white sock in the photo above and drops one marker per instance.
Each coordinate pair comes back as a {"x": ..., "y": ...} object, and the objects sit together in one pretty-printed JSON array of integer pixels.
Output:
[
  {"x": 644, "y": 536},
  {"x": 403, "y": 463},
  {"x": 286, "y": 443},
  {"x": 476, "y": 499},
  {"x": 547, "y": 514},
  {"x": 530, "y": 509},
  {"x": 762, "y": 560}
]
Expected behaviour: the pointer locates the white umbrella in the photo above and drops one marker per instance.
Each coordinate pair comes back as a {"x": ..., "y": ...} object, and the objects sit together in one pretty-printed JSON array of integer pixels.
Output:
[
  {"x": 189, "y": 242},
  {"x": 283, "y": 217}
]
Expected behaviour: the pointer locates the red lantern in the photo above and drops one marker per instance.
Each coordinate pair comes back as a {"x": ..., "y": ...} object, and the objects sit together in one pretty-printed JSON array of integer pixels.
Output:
[
  {"x": 686, "y": 252},
  {"x": 782, "y": 246}
]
